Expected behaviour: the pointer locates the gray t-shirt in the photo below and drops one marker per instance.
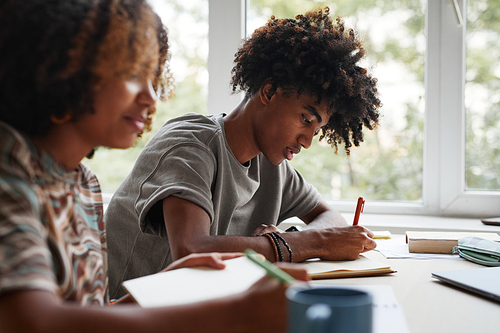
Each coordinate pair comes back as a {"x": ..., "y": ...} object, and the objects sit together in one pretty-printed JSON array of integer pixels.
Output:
[{"x": 190, "y": 158}]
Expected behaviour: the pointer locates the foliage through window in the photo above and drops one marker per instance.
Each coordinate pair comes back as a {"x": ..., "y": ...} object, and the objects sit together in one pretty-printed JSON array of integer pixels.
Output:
[{"x": 482, "y": 95}]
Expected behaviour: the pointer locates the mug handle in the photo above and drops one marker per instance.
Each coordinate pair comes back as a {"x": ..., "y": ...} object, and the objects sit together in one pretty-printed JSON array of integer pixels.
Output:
[{"x": 318, "y": 316}]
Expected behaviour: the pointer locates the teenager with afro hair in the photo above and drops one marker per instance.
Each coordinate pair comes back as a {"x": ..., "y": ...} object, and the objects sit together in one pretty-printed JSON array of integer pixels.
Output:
[{"x": 223, "y": 182}]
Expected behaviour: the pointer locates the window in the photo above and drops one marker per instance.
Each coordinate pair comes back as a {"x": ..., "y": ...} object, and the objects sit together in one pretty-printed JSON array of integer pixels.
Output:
[
  {"x": 433, "y": 56},
  {"x": 445, "y": 140},
  {"x": 437, "y": 150}
]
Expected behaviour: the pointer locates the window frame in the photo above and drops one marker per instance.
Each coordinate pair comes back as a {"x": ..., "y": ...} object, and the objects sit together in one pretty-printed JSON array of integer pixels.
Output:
[{"x": 443, "y": 190}]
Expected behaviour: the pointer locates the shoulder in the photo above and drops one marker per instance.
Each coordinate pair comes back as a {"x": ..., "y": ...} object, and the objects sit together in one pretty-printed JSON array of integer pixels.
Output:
[
  {"x": 89, "y": 181},
  {"x": 87, "y": 176},
  {"x": 12, "y": 142},
  {"x": 191, "y": 127},
  {"x": 194, "y": 134},
  {"x": 196, "y": 120},
  {"x": 17, "y": 154}
]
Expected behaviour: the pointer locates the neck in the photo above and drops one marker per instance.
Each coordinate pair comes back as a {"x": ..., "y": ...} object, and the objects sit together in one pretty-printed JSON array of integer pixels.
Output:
[
  {"x": 63, "y": 145},
  {"x": 238, "y": 126}
]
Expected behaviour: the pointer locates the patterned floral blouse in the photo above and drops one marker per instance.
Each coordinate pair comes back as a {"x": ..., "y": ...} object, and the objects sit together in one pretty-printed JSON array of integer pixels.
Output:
[{"x": 52, "y": 234}]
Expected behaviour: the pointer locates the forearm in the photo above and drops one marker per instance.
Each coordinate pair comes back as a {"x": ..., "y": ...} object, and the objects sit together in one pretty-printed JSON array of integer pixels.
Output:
[
  {"x": 304, "y": 245},
  {"x": 46, "y": 314},
  {"x": 207, "y": 243},
  {"x": 329, "y": 236},
  {"x": 338, "y": 243},
  {"x": 222, "y": 315}
]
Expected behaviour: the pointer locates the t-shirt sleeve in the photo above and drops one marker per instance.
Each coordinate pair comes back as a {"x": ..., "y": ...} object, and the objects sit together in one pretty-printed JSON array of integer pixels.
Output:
[
  {"x": 298, "y": 196},
  {"x": 25, "y": 259},
  {"x": 185, "y": 171}
]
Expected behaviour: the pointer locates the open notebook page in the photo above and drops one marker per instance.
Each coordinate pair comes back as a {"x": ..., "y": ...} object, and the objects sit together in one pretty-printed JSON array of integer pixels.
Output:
[
  {"x": 335, "y": 269},
  {"x": 189, "y": 285}
]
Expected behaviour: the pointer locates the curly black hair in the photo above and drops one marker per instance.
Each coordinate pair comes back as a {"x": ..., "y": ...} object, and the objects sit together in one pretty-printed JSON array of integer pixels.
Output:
[
  {"x": 55, "y": 55},
  {"x": 313, "y": 55}
]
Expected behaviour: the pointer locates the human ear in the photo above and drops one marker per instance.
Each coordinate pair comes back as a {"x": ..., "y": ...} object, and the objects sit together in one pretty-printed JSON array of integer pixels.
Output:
[{"x": 266, "y": 93}]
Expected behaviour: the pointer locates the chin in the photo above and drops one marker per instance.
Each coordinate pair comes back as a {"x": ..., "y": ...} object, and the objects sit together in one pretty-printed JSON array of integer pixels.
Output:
[
  {"x": 123, "y": 144},
  {"x": 276, "y": 161}
]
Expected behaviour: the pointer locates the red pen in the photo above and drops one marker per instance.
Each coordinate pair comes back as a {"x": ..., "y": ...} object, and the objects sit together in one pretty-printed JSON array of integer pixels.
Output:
[{"x": 359, "y": 210}]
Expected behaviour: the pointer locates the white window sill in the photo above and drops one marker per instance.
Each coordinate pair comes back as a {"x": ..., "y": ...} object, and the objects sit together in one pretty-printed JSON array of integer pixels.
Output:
[{"x": 399, "y": 224}]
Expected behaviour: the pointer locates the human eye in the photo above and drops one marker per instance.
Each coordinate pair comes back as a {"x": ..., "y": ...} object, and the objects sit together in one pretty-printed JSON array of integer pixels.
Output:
[
  {"x": 141, "y": 74},
  {"x": 130, "y": 76},
  {"x": 305, "y": 120}
]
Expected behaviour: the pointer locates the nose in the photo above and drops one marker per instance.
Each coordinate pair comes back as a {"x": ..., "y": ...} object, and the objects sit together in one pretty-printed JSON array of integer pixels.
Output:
[
  {"x": 305, "y": 139},
  {"x": 147, "y": 95}
]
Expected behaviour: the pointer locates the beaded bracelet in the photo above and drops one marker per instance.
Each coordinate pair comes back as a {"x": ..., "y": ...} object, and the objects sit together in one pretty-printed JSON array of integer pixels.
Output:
[
  {"x": 274, "y": 246},
  {"x": 286, "y": 245},
  {"x": 278, "y": 246}
]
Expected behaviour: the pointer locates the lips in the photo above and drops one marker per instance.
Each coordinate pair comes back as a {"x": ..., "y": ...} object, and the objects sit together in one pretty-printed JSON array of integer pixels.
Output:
[
  {"x": 290, "y": 152},
  {"x": 137, "y": 122}
]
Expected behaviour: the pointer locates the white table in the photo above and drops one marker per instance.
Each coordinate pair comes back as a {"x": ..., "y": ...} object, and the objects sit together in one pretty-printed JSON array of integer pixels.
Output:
[{"x": 429, "y": 305}]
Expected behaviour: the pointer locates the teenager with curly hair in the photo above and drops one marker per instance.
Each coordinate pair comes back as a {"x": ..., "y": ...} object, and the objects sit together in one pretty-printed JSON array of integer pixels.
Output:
[
  {"x": 75, "y": 75},
  {"x": 209, "y": 183}
]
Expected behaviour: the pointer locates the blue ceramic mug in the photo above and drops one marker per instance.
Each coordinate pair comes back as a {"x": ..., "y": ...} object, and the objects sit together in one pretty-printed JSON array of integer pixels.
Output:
[{"x": 328, "y": 309}]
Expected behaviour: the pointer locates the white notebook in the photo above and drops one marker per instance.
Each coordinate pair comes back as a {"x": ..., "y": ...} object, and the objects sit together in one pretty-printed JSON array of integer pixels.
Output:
[{"x": 190, "y": 285}]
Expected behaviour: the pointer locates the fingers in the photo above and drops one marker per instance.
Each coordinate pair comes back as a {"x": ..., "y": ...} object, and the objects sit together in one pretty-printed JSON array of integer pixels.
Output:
[
  {"x": 258, "y": 231},
  {"x": 368, "y": 242},
  {"x": 346, "y": 243},
  {"x": 265, "y": 229},
  {"x": 266, "y": 304},
  {"x": 269, "y": 285},
  {"x": 294, "y": 270},
  {"x": 370, "y": 245},
  {"x": 229, "y": 255},
  {"x": 358, "y": 229},
  {"x": 368, "y": 232},
  {"x": 214, "y": 260}
]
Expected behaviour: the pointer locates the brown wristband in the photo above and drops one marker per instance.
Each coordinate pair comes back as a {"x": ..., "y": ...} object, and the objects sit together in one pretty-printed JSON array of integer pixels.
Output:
[{"x": 276, "y": 258}]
